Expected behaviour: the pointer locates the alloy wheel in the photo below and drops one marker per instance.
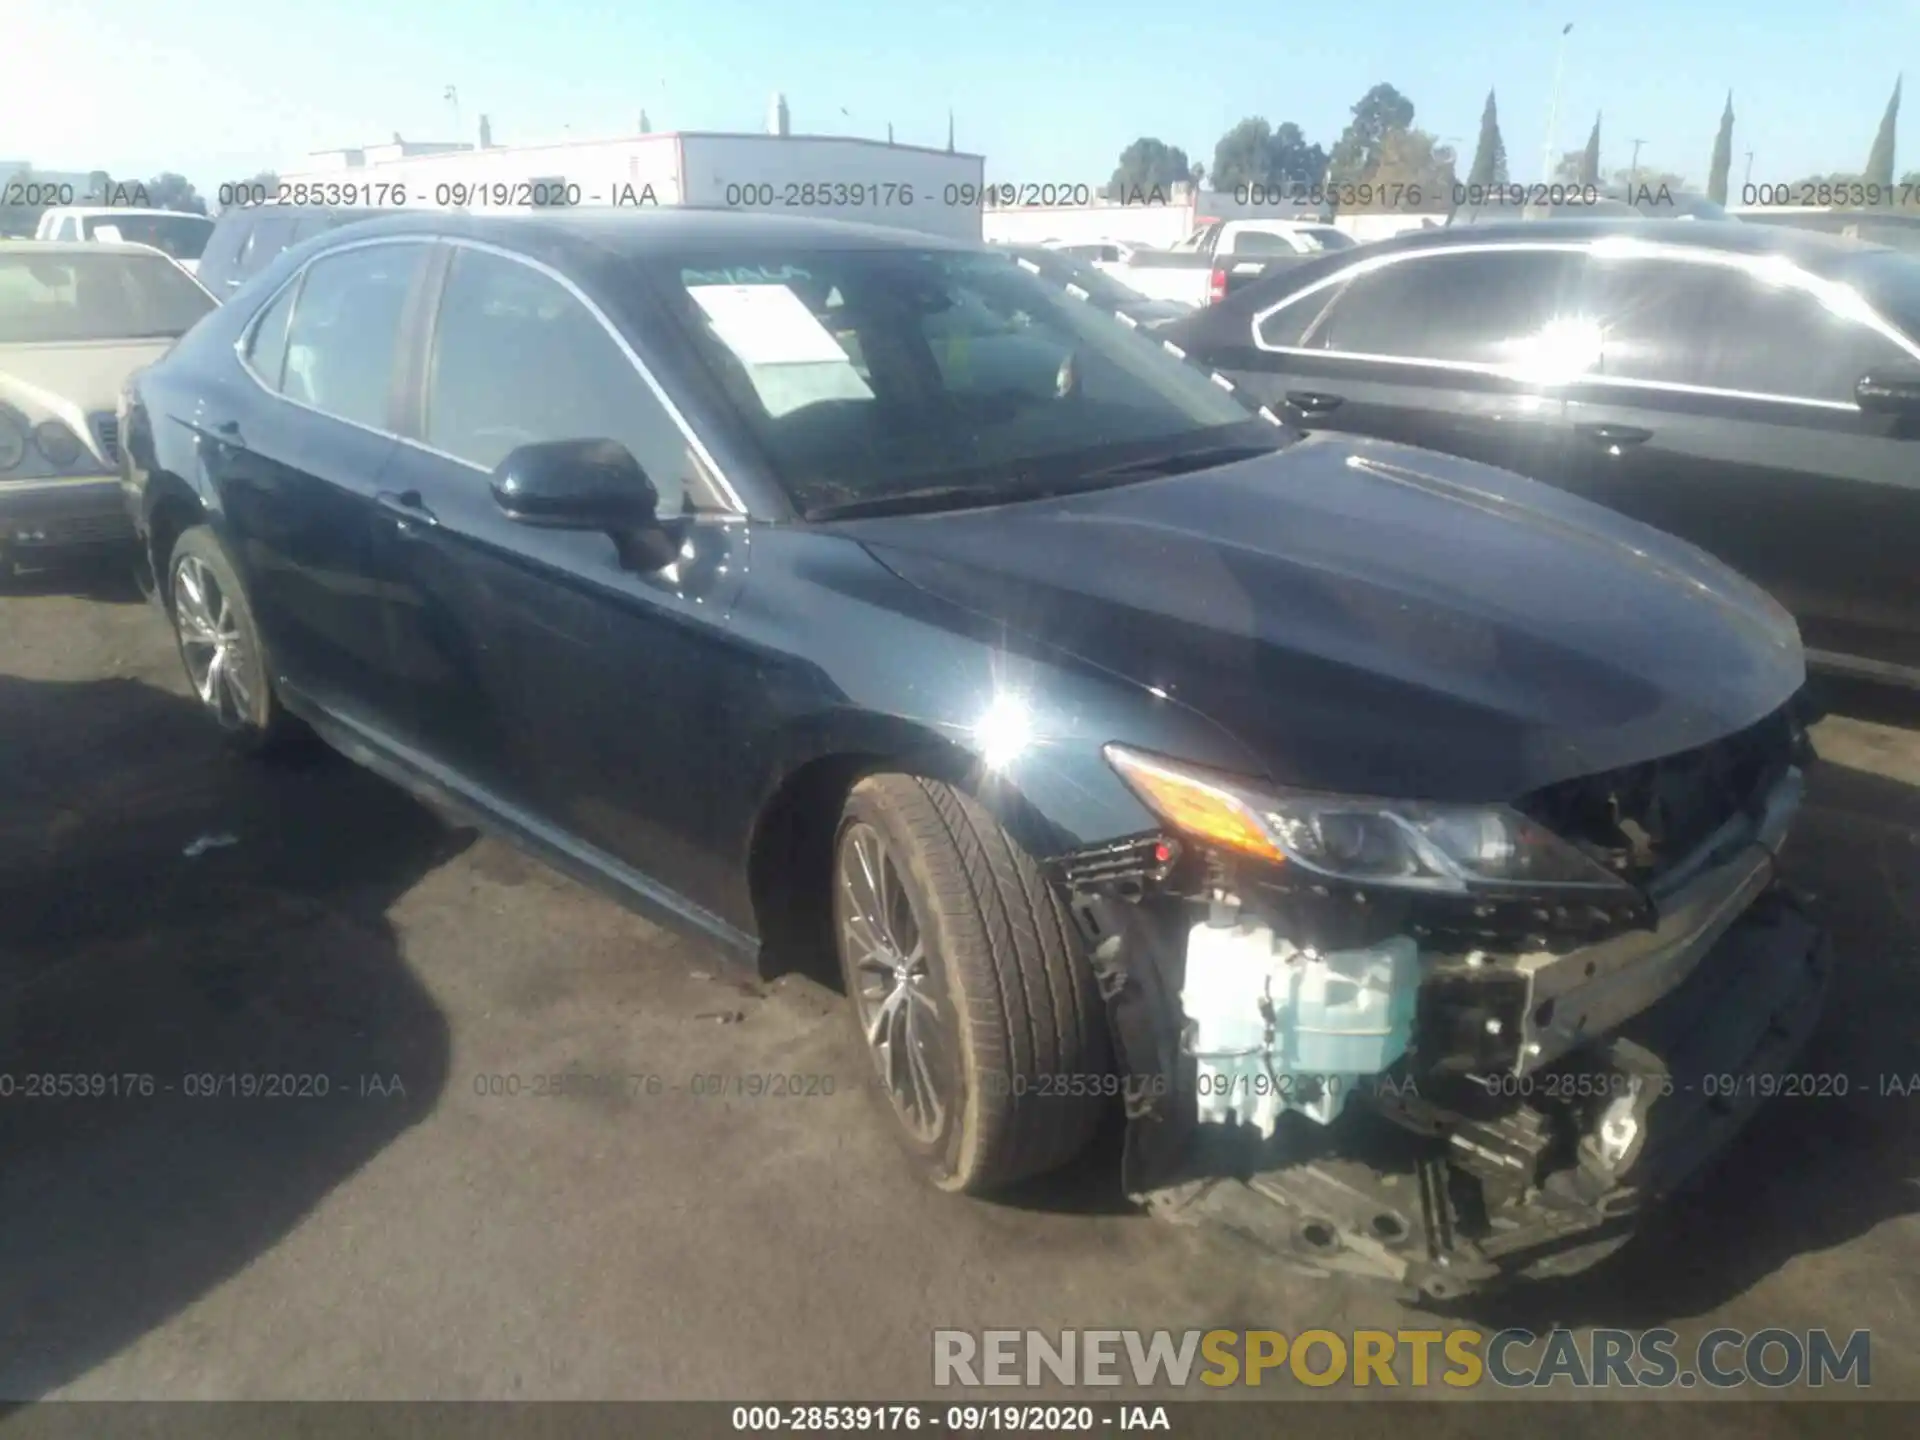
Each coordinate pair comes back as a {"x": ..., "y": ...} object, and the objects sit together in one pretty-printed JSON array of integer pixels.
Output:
[
  {"x": 220, "y": 664},
  {"x": 896, "y": 984}
]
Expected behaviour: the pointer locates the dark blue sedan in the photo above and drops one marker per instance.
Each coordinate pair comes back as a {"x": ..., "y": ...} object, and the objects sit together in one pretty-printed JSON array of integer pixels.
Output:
[{"x": 825, "y": 589}]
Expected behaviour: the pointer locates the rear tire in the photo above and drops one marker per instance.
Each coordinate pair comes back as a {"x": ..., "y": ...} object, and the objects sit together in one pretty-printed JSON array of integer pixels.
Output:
[
  {"x": 966, "y": 980},
  {"x": 226, "y": 661}
]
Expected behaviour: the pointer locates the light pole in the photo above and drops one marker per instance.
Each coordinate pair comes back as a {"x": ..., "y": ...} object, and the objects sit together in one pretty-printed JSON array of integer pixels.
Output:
[
  {"x": 1553, "y": 103},
  {"x": 1633, "y": 174},
  {"x": 1748, "y": 183},
  {"x": 452, "y": 97}
]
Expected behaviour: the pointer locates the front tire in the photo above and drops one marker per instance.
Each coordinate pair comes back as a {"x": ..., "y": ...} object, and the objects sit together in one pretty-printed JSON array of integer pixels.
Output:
[
  {"x": 968, "y": 985},
  {"x": 220, "y": 646}
]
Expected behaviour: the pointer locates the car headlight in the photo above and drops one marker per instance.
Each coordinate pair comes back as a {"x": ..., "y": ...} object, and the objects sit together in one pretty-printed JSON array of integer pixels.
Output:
[
  {"x": 57, "y": 442},
  {"x": 1408, "y": 844},
  {"x": 13, "y": 442}
]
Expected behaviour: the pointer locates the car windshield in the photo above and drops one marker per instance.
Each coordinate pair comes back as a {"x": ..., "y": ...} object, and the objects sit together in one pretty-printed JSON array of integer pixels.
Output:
[
  {"x": 1101, "y": 289},
  {"x": 867, "y": 375},
  {"x": 183, "y": 237},
  {"x": 71, "y": 296}
]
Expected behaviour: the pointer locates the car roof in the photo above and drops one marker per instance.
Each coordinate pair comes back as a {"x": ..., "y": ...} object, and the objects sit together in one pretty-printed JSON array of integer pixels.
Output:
[
  {"x": 78, "y": 247},
  {"x": 298, "y": 212},
  {"x": 1819, "y": 253},
  {"x": 1826, "y": 256},
  {"x": 637, "y": 231},
  {"x": 94, "y": 212}
]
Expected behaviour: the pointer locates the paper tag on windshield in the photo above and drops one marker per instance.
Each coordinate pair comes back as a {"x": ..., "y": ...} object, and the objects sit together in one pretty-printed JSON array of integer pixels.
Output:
[
  {"x": 110, "y": 234},
  {"x": 767, "y": 325}
]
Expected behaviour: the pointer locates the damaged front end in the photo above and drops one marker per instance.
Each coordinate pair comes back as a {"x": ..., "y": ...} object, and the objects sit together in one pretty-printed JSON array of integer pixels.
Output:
[{"x": 1446, "y": 1046}]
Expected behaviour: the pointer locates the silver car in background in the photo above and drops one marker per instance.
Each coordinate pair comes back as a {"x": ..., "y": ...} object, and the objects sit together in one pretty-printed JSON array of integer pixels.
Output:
[{"x": 76, "y": 320}]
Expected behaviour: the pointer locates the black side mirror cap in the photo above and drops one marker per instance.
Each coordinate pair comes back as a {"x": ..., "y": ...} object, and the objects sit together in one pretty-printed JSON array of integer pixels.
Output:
[
  {"x": 576, "y": 485},
  {"x": 1889, "y": 392}
]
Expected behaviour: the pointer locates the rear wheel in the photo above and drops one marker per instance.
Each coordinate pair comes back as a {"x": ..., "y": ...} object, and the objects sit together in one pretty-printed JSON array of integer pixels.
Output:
[
  {"x": 973, "y": 998},
  {"x": 220, "y": 645}
]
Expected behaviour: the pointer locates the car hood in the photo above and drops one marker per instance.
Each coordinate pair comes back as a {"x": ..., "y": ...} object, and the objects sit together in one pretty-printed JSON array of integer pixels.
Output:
[
  {"x": 1375, "y": 619},
  {"x": 78, "y": 377}
]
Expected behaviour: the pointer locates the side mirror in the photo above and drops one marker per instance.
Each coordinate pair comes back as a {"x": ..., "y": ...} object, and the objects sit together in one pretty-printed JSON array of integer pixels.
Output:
[
  {"x": 588, "y": 485},
  {"x": 576, "y": 485},
  {"x": 1890, "y": 392}
]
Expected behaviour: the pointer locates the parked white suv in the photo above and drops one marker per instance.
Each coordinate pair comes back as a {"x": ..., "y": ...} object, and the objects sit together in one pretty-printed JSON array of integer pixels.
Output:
[{"x": 172, "y": 232}]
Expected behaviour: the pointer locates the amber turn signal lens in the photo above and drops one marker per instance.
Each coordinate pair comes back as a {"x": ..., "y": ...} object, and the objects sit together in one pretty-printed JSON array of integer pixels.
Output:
[{"x": 1192, "y": 806}]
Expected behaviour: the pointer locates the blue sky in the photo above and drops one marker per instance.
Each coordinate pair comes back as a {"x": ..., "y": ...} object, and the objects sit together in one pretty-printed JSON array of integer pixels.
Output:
[{"x": 1046, "y": 89}]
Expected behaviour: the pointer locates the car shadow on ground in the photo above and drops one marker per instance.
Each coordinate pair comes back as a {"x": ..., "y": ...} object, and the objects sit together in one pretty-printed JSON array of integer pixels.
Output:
[
  {"x": 205, "y": 1020},
  {"x": 1808, "y": 1173}
]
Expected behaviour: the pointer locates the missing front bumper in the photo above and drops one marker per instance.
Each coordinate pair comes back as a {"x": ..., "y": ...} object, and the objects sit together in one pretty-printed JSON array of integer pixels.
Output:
[
  {"x": 69, "y": 513},
  {"x": 1436, "y": 1213}
]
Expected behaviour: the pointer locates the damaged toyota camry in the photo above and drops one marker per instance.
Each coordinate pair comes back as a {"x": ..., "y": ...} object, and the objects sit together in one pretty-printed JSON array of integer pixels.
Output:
[{"x": 1392, "y": 837}]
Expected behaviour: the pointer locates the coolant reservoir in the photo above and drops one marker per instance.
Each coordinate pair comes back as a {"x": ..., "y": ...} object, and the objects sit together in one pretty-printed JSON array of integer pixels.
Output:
[{"x": 1275, "y": 1027}]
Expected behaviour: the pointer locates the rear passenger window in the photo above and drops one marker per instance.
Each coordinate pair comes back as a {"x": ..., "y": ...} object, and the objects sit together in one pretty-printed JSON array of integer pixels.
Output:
[
  {"x": 345, "y": 329},
  {"x": 1493, "y": 308},
  {"x": 267, "y": 347}
]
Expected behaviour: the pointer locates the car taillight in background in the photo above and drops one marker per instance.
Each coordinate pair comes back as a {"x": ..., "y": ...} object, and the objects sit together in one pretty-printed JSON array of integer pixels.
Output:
[{"x": 1217, "y": 286}]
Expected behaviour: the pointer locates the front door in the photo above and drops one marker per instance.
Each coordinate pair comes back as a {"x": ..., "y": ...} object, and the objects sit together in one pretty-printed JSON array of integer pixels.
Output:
[{"x": 585, "y": 696}]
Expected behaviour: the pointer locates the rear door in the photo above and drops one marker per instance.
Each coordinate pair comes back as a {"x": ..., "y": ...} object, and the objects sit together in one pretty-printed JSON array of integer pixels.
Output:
[
  {"x": 298, "y": 469},
  {"x": 1723, "y": 412},
  {"x": 1457, "y": 350}
]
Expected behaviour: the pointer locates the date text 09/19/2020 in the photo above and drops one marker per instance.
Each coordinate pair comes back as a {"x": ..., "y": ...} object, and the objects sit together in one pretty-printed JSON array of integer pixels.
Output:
[{"x": 199, "y": 1085}]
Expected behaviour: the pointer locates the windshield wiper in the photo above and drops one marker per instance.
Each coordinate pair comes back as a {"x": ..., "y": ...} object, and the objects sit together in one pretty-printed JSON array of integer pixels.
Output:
[
  {"x": 1182, "y": 463},
  {"x": 927, "y": 497}
]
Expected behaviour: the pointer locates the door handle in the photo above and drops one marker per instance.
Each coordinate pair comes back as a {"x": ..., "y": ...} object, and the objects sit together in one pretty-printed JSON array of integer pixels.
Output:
[
  {"x": 1313, "y": 402},
  {"x": 1614, "y": 434},
  {"x": 406, "y": 509}
]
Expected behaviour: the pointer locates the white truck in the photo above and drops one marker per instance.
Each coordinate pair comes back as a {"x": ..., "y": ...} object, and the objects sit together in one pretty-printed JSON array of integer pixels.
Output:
[
  {"x": 1222, "y": 255},
  {"x": 176, "y": 233}
]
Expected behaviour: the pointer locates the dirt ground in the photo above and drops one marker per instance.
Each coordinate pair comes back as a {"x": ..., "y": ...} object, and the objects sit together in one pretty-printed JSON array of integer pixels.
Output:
[{"x": 410, "y": 1235}]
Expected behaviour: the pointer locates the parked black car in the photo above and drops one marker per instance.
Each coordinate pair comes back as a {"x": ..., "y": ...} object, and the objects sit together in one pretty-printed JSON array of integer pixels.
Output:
[
  {"x": 246, "y": 239},
  {"x": 1117, "y": 741},
  {"x": 1754, "y": 390}
]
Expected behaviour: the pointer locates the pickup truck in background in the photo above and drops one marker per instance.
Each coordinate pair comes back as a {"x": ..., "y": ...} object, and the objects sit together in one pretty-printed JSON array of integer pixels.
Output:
[{"x": 1222, "y": 255}]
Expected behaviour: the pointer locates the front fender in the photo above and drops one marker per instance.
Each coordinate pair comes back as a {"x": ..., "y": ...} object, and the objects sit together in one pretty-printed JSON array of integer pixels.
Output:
[{"x": 908, "y": 679}]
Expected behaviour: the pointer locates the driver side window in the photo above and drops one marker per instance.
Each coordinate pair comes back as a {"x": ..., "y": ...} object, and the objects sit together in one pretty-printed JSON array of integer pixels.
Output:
[{"x": 518, "y": 359}]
